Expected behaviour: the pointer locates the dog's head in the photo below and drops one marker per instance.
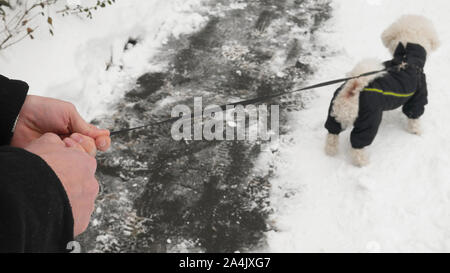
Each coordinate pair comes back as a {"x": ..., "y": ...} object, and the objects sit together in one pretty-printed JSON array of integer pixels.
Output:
[{"x": 414, "y": 29}]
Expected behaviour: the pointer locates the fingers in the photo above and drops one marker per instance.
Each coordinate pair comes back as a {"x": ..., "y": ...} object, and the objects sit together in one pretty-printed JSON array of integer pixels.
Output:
[
  {"x": 86, "y": 142},
  {"x": 103, "y": 143},
  {"x": 50, "y": 138},
  {"x": 102, "y": 138},
  {"x": 96, "y": 132},
  {"x": 90, "y": 161},
  {"x": 70, "y": 143},
  {"x": 79, "y": 125}
]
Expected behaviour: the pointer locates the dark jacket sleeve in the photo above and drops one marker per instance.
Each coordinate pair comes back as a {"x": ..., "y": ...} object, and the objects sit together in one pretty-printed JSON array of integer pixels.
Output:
[
  {"x": 415, "y": 107},
  {"x": 35, "y": 214},
  {"x": 12, "y": 97}
]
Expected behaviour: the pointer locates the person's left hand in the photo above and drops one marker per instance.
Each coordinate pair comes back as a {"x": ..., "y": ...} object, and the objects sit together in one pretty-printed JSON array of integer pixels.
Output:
[{"x": 40, "y": 115}]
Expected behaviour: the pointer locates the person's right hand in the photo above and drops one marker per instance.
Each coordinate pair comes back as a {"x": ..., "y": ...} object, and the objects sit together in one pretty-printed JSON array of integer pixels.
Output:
[{"x": 76, "y": 170}]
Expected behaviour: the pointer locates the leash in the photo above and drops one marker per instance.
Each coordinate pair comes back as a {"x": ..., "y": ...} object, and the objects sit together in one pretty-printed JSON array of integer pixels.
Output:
[{"x": 258, "y": 99}]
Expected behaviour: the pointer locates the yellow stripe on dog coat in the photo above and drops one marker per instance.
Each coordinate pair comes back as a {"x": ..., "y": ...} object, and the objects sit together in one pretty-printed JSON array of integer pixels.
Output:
[{"x": 386, "y": 93}]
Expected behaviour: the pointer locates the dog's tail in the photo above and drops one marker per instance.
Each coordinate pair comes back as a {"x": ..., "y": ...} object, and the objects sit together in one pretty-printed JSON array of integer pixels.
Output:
[{"x": 346, "y": 104}]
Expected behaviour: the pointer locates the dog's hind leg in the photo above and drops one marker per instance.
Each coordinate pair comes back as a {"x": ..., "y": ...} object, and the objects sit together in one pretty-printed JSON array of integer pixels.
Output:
[
  {"x": 414, "y": 127},
  {"x": 363, "y": 134},
  {"x": 359, "y": 157},
  {"x": 332, "y": 145}
]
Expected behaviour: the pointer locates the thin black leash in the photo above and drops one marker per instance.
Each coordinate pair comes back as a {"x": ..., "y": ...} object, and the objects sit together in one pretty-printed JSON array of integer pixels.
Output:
[{"x": 258, "y": 99}]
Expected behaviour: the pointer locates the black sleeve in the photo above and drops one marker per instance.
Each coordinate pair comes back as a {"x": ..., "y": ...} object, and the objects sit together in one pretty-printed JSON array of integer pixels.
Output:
[
  {"x": 415, "y": 107},
  {"x": 12, "y": 97},
  {"x": 35, "y": 214}
]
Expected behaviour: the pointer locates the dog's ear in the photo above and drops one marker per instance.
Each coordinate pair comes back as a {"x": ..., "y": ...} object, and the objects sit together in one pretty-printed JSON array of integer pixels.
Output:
[
  {"x": 386, "y": 37},
  {"x": 431, "y": 33},
  {"x": 435, "y": 43},
  {"x": 389, "y": 36}
]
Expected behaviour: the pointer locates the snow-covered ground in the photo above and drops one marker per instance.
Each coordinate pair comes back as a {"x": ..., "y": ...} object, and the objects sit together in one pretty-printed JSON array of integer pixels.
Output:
[
  {"x": 72, "y": 64},
  {"x": 401, "y": 202}
]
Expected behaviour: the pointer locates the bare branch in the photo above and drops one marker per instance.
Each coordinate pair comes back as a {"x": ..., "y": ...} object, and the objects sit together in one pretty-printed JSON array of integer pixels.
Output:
[{"x": 17, "y": 20}]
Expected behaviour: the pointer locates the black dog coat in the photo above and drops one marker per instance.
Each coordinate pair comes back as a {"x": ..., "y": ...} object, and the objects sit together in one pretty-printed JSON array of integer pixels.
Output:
[{"x": 405, "y": 87}]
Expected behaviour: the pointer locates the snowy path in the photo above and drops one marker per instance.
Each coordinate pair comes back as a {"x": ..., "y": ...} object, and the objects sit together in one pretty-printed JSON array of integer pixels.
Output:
[{"x": 401, "y": 202}]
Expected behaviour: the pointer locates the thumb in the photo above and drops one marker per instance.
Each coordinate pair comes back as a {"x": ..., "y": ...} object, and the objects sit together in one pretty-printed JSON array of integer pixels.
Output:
[{"x": 79, "y": 125}]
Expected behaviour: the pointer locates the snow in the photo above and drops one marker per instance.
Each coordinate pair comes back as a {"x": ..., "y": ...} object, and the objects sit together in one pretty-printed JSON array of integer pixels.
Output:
[
  {"x": 401, "y": 201},
  {"x": 72, "y": 64}
]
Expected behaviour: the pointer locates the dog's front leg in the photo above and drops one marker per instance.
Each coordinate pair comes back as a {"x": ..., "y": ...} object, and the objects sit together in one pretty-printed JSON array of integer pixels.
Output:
[
  {"x": 359, "y": 157},
  {"x": 332, "y": 145},
  {"x": 414, "y": 127}
]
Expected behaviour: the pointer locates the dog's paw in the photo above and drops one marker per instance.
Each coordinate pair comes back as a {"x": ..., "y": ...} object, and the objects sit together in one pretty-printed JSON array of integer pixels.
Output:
[
  {"x": 359, "y": 157},
  {"x": 332, "y": 145},
  {"x": 414, "y": 127}
]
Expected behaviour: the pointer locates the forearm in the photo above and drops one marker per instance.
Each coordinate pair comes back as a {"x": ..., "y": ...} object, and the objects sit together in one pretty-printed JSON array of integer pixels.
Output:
[{"x": 35, "y": 214}]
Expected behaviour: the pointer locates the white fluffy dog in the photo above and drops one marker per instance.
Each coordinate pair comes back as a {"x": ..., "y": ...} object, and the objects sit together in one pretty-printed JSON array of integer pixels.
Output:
[{"x": 361, "y": 102}]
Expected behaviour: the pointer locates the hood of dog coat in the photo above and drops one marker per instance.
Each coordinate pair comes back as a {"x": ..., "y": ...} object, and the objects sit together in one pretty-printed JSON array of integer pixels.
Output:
[{"x": 413, "y": 54}]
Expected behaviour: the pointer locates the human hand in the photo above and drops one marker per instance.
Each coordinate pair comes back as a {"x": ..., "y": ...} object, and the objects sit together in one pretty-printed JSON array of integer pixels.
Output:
[
  {"x": 76, "y": 171},
  {"x": 87, "y": 143},
  {"x": 40, "y": 115}
]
